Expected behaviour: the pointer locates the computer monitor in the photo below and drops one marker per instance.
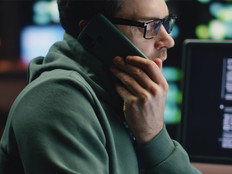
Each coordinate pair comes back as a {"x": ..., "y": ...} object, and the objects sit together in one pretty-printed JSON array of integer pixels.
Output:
[
  {"x": 206, "y": 123},
  {"x": 36, "y": 40}
]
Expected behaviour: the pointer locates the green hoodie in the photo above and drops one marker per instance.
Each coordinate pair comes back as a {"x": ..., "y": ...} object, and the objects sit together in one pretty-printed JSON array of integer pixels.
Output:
[{"x": 69, "y": 120}]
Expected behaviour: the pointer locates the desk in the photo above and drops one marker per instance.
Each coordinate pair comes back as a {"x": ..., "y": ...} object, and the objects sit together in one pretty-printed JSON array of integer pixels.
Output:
[{"x": 213, "y": 168}]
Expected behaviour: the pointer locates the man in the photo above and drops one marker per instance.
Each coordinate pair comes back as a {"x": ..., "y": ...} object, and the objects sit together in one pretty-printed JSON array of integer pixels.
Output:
[{"x": 69, "y": 119}]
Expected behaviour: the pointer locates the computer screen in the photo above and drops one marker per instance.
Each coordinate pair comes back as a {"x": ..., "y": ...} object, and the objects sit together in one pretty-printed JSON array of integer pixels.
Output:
[
  {"x": 35, "y": 40},
  {"x": 206, "y": 126}
]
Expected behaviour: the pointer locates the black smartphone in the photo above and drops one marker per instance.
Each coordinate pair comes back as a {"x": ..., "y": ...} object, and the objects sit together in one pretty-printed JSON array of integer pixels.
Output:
[{"x": 104, "y": 40}]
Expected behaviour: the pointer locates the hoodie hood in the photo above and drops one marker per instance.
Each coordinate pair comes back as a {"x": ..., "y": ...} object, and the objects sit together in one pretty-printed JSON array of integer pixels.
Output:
[
  {"x": 70, "y": 55},
  {"x": 67, "y": 55}
]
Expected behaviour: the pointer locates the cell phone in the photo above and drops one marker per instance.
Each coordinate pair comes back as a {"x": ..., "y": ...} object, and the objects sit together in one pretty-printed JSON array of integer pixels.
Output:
[{"x": 105, "y": 41}]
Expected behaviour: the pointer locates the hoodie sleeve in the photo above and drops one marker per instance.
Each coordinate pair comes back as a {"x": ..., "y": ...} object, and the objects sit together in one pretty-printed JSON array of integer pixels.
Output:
[{"x": 163, "y": 155}]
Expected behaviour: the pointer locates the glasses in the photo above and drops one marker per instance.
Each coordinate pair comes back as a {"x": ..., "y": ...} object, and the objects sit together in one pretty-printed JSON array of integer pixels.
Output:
[{"x": 152, "y": 27}]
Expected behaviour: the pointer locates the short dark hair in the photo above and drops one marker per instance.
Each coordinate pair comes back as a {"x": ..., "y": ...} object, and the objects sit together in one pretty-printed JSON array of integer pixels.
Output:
[{"x": 72, "y": 11}]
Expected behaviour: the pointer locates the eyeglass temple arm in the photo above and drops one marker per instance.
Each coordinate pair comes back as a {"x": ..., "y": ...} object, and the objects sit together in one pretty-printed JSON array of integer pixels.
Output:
[{"x": 121, "y": 21}]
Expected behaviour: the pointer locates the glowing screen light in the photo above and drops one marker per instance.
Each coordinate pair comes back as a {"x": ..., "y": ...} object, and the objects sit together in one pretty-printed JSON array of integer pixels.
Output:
[
  {"x": 45, "y": 12},
  {"x": 175, "y": 32},
  {"x": 219, "y": 27},
  {"x": 172, "y": 112},
  {"x": 203, "y": 1},
  {"x": 36, "y": 40},
  {"x": 221, "y": 11},
  {"x": 217, "y": 30},
  {"x": 202, "y": 31}
]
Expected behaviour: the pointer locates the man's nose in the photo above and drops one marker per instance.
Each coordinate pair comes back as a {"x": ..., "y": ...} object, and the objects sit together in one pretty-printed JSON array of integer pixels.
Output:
[{"x": 164, "y": 40}]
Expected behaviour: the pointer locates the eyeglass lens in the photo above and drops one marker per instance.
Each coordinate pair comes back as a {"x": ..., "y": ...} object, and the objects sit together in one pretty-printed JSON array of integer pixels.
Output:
[{"x": 154, "y": 27}]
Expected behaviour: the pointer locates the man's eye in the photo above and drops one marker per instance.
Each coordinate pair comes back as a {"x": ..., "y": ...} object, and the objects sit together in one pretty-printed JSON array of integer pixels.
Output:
[
  {"x": 152, "y": 25},
  {"x": 141, "y": 29}
]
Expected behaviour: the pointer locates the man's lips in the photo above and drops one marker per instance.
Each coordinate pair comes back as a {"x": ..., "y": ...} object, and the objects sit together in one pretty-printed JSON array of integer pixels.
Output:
[{"x": 163, "y": 54}]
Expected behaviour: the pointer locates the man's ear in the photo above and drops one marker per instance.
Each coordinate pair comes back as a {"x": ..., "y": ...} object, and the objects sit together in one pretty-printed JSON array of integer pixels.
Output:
[{"x": 82, "y": 24}]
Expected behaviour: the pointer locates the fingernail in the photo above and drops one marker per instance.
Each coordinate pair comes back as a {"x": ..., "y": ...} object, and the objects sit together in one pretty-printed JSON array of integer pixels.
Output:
[
  {"x": 117, "y": 59},
  {"x": 129, "y": 58}
]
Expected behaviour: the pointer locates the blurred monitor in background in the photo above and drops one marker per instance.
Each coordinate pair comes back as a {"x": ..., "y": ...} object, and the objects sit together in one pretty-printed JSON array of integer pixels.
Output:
[{"x": 36, "y": 40}]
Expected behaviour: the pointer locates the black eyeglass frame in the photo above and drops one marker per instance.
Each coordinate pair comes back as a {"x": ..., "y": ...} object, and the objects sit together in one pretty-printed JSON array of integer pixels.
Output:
[{"x": 144, "y": 25}]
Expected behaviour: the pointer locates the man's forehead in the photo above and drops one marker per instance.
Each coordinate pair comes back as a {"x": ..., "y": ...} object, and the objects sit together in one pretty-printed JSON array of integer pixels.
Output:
[{"x": 143, "y": 9}]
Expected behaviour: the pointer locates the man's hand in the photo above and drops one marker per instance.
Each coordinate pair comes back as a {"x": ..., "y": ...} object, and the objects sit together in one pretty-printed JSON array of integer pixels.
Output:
[{"x": 143, "y": 88}]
